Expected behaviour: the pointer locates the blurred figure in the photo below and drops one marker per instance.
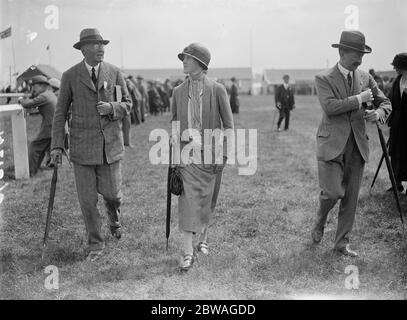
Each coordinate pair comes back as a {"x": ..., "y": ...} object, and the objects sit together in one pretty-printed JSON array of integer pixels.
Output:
[
  {"x": 136, "y": 99},
  {"x": 144, "y": 107},
  {"x": 55, "y": 84},
  {"x": 284, "y": 99},
  {"x": 168, "y": 88},
  {"x": 154, "y": 99},
  {"x": 377, "y": 78},
  {"x": 398, "y": 120},
  {"x": 234, "y": 96},
  {"x": 387, "y": 84},
  {"x": 8, "y": 90},
  {"x": 164, "y": 98},
  {"x": 126, "y": 124},
  {"x": 45, "y": 100}
]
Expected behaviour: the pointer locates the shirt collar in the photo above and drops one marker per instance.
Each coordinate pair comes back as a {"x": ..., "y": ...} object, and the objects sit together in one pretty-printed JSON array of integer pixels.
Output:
[
  {"x": 89, "y": 67},
  {"x": 344, "y": 71}
]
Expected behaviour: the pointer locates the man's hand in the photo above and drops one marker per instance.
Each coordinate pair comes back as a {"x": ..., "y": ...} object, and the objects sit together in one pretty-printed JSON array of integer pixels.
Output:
[
  {"x": 104, "y": 108},
  {"x": 56, "y": 156},
  {"x": 371, "y": 115},
  {"x": 367, "y": 95}
]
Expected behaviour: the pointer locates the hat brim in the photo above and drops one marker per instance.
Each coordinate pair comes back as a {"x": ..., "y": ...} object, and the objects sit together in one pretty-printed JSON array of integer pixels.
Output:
[
  {"x": 182, "y": 55},
  {"x": 40, "y": 82},
  {"x": 367, "y": 48},
  {"x": 79, "y": 44}
]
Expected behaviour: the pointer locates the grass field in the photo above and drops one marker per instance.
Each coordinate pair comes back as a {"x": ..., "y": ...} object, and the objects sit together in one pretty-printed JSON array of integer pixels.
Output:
[{"x": 259, "y": 238}]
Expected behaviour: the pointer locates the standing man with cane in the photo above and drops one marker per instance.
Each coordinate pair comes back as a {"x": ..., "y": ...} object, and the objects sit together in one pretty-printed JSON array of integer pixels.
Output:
[
  {"x": 96, "y": 137},
  {"x": 342, "y": 142}
]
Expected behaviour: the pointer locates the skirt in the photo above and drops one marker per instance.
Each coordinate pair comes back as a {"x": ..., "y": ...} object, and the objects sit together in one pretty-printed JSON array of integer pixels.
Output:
[{"x": 198, "y": 199}]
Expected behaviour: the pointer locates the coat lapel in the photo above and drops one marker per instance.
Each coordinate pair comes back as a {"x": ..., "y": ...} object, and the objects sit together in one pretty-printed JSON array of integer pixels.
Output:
[
  {"x": 103, "y": 76},
  {"x": 356, "y": 82},
  {"x": 339, "y": 82},
  {"x": 183, "y": 111},
  {"x": 84, "y": 77},
  {"x": 207, "y": 104}
]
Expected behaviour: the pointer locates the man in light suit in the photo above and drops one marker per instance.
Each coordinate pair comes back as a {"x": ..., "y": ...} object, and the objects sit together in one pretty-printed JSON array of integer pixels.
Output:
[
  {"x": 96, "y": 137},
  {"x": 349, "y": 97}
]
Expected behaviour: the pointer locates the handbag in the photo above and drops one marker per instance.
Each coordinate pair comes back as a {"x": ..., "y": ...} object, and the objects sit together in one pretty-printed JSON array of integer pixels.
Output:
[{"x": 176, "y": 185}]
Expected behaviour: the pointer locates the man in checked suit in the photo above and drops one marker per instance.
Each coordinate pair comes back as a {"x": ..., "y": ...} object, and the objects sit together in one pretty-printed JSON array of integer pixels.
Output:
[
  {"x": 349, "y": 98},
  {"x": 96, "y": 137}
]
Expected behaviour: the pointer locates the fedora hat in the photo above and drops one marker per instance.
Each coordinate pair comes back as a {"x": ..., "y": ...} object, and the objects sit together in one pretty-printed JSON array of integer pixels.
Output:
[
  {"x": 198, "y": 52},
  {"x": 89, "y": 35},
  {"x": 39, "y": 80},
  {"x": 354, "y": 40}
]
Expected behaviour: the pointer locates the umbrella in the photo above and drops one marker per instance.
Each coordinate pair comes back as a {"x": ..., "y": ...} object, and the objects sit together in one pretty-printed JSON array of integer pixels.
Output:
[
  {"x": 50, "y": 208},
  {"x": 391, "y": 172},
  {"x": 168, "y": 219}
]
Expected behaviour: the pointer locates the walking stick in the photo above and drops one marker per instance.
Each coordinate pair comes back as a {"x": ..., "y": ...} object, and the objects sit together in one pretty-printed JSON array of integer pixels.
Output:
[
  {"x": 50, "y": 208},
  {"x": 390, "y": 170},
  {"x": 168, "y": 219},
  {"x": 274, "y": 118},
  {"x": 379, "y": 166}
]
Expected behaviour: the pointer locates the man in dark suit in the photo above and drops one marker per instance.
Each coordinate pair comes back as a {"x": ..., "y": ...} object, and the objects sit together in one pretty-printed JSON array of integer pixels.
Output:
[
  {"x": 96, "y": 137},
  {"x": 45, "y": 100},
  {"x": 284, "y": 98},
  {"x": 344, "y": 91},
  {"x": 234, "y": 96}
]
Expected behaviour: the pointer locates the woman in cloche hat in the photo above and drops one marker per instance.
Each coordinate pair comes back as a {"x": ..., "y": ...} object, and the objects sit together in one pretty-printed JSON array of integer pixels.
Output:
[
  {"x": 199, "y": 104},
  {"x": 398, "y": 120}
]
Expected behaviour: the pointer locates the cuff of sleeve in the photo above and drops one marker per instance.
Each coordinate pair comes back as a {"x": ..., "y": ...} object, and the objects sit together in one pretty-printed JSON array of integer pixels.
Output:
[
  {"x": 359, "y": 97},
  {"x": 111, "y": 115}
]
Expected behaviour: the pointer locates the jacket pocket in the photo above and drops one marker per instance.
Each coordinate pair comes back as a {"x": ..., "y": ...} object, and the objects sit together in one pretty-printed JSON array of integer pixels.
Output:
[{"x": 323, "y": 134}]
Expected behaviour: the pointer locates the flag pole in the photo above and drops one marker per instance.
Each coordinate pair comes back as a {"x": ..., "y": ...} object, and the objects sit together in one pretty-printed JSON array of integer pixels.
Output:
[{"x": 12, "y": 49}]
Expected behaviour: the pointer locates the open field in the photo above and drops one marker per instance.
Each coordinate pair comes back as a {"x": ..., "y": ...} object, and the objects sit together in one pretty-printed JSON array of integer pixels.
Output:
[{"x": 260, "y": 237}]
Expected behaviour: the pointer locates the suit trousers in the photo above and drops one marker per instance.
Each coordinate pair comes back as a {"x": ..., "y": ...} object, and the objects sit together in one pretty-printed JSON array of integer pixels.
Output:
[
  {"x": 37, "y": 150},
  {"x": 340, "y": 178},
  {"x": 126, "y": 129},
  {"x": 106, "y": 180},
  {"x": 284, "y": 114}
]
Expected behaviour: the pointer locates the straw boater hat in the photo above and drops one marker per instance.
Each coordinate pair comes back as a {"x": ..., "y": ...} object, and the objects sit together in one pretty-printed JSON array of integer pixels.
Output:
[
  {"x": 39, "y": 80},
  {"x": 89, "y": 35},
  {"x": 198, "y": 52},
  {"x": 354, "y": 40}
]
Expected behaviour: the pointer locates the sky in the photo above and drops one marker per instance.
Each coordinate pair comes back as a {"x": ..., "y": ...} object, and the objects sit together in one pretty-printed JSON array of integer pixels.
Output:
[{"x": 261, "y": 34}]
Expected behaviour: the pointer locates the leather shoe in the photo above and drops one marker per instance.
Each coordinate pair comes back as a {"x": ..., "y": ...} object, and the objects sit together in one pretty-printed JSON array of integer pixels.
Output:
[
  {"x": 203, "y": 247},
  {"x": 187, "y": 262},
  {"x": 346, "y": 251},
  {"x": 317, "y": 235},
  {"x": 94, "y": 255},
  {"x": 115, "y": 231},
  {"x": 399, "y": 188}
]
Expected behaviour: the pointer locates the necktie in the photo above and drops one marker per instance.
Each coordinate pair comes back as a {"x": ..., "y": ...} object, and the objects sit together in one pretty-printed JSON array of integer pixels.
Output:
[
  {"x": 94, "y": 80},
  {"x": 350, "y": 82}
]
